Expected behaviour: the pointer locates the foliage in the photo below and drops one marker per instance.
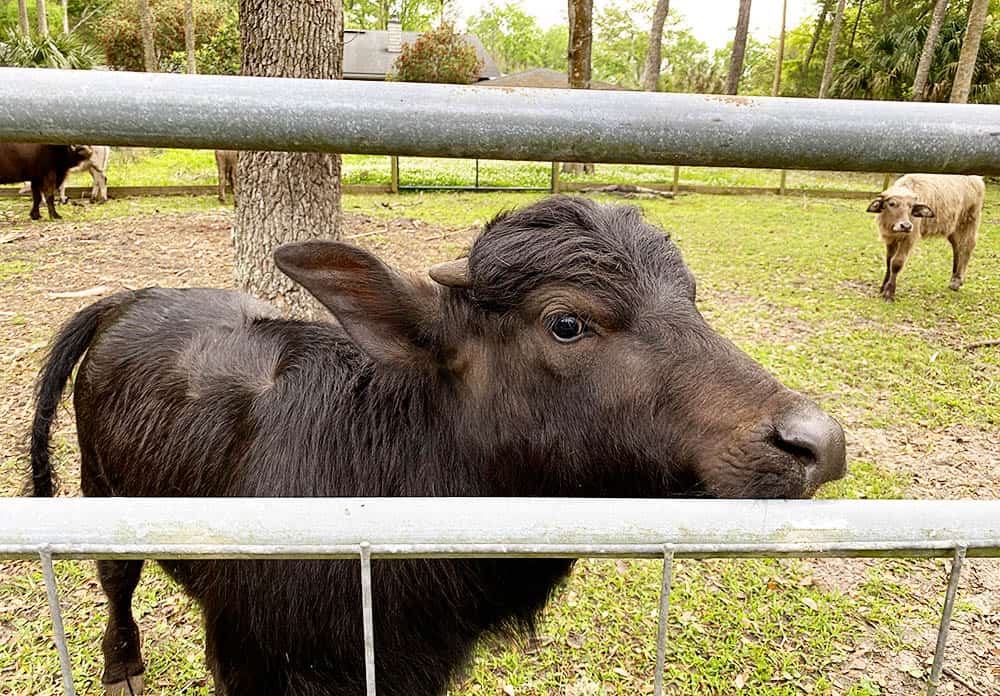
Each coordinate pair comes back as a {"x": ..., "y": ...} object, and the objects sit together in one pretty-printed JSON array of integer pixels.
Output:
[
  {"x": 512, "y": 36},
  {"x": 57, "y": 50},
  {"x": 218, "y": 55},
  {"x": 118, "y": 30},
  {"x": 439, "y": 55},
  {"x": 882, "y": 61},
  {"x": 414, "y": 15}
]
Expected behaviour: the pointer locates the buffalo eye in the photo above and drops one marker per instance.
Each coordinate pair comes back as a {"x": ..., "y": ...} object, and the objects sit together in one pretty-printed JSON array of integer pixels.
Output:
[{"x": 566, "y": 328}]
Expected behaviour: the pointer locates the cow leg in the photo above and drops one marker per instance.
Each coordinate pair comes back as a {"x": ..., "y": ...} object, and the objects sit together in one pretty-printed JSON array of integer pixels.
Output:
[
  {"x": 62, "y": 193},
  {"x": 123, "y": 666},
  {"x": 895, "y": 263},
  {"x": 962, "y": 245},
  {"x": 36, "y": 198}
]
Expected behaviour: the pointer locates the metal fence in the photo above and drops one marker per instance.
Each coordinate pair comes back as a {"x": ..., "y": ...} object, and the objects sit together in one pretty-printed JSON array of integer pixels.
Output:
[
  {"x": 367, "y": 528},
  {"x": 523, "y": 124}
]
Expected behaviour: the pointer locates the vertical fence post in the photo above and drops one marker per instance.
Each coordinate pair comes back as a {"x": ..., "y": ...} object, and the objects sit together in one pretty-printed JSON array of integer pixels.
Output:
[
  {"x": 366, "y": 617},
  {"x": 949, "y": 604},
  {"x": 554, "y": 184},
  {"x": 57, "y": 625},
  {"x": 661, "y": 629},
  {"x": 781, "y": 185},
  {"x": 675, "y": 187},
  {"x": 394, "y": 173}
]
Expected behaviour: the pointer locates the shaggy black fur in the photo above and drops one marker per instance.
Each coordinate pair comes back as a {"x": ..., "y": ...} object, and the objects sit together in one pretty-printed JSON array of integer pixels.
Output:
[{"x": 421, "y": 391}]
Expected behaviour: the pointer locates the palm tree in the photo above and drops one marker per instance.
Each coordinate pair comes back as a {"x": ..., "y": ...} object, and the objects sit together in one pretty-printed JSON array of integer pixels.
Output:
[
  {"x": 651, "y": 69},
  {"x": 831, "y": 52},
  {"x": 970, "y": 50},
  {"x": 43, "y": 19},
  {"x": 146, "y": 29},
  {"x": 739, "y": 49},
  {"x": 22, "y": 17},
  {"x": 776, "y": 85},
  {"x": 824, "y": 10},
  {"x": 927, "y": 54}
]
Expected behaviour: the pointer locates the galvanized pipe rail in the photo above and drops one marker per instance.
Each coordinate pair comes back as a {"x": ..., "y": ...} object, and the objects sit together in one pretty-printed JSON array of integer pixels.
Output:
[
  {"x": 366, "y": 528},
  {"x": 252, "y": 113}
]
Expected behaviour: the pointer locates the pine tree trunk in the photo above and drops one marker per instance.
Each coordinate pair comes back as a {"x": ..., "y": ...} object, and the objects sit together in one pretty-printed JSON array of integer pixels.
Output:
[
  {"x": 831, "y": 51},
  {"x": 581, "y": 37},
  {"x": 927, "y": 54},
  {"x": 651, "y": 68},
  {"x": 739, "y": 49},
  {"x": 42, "y": 19},
  {"x": 286, "y": 196},
  {"x": 820, "y": 23},
  {"x": 189, "y": 36},
  {"x": 970, "y": 51},
  {"x": 22, "y": 17},
  {"x": 776, "y": 84},
  {"x": 146, "y": 29}
]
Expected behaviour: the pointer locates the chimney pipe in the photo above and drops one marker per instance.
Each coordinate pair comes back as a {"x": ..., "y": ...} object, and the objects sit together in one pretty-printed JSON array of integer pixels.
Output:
[{"x": 395, "y": 35}]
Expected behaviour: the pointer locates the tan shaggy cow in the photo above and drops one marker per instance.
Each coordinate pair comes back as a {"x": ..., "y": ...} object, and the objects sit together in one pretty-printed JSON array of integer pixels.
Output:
[{"x": 928, "y": 205}]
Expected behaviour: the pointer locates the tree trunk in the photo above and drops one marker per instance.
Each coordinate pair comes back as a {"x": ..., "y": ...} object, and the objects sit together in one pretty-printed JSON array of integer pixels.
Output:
[
  {"x": 820, "y": 23},
  {"x": 776, "y": 84},
  {"x": 927, "y": 54},
  {"x": 65, "y": 16},
  {"x": 831, "y": 51},
  {"x": 22, "y": 17},
  {"x": 42, "y": 19},
  {"x": 189, "y": 36},
  {"x": 146, "y": 29},
  {"x": 854, "y": 30},
  {"x": 739, "y": 49},
  {"x": 581, "y": 37},
  {"x": 286, "y": 196},
  {"x": 970, "y": 50},
  {"x": 651, "y": 69}
]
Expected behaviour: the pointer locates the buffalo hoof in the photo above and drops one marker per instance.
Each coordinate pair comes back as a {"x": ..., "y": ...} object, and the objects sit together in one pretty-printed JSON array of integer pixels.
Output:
[
  {"x": 955, "y": 283},
  {"x": 35, "y": 215},
  {"x": 889, "y": 295},
  {"x": 133, "y": 686}
]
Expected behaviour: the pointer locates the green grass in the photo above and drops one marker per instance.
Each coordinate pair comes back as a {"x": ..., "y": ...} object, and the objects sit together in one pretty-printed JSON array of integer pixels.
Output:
[
  {"x": 793, "y": 281},
  {"x": 175, "y": 167}
]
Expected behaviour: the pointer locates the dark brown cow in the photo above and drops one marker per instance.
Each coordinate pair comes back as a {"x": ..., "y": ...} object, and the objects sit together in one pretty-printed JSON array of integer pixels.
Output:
[
  {"x": 564, "y": 357},
  {"x": 45, "y": 166}
]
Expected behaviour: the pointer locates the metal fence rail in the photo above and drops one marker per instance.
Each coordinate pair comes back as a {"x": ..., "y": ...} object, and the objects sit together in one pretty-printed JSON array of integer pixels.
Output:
[
  {"x": 205, "y": 111},
  {"x": 366, "y": 528}
]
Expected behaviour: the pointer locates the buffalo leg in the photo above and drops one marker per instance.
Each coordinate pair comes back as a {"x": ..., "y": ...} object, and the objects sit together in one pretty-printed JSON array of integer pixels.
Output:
[
  {"x": 894, "y": 262},
  {"x": 50, "y": 189},
  {"x": 961, "y": 250},
  {"x": 123, "y": 666},
  {"x": 36, "y": 198},
  {"x": 890, "y": 249},
  {"x": 238, "y": 666},
  {"x": 99, "y": 191}
]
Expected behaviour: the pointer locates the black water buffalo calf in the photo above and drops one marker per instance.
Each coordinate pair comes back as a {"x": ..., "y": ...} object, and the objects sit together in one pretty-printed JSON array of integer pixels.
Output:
[
  {"x": 564, "y": 357},
  {"x": 45, "y": 166}
]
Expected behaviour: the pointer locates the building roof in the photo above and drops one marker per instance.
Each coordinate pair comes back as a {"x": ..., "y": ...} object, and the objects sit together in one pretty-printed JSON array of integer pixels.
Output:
[
  {"x": 544, "y": 77},
  {"x": 366, "y": 54}
]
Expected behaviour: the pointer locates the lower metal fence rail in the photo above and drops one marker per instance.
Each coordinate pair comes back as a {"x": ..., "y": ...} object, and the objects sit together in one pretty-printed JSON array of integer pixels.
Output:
[{"x": 367, "y": 528}]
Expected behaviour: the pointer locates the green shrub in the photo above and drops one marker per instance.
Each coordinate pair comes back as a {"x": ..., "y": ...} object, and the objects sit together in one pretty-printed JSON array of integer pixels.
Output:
[
  {"x": 57, "y": 50},
  {"x": 439, "y": 55},
  {"x": 119, "y": 34},
  {"x": 218, "y": 55}
]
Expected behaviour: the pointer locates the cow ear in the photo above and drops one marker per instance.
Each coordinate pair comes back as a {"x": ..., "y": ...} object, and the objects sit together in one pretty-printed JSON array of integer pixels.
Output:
[
  {"x": 921, "y": 210},
  {"x": 876, "y": 205},
  {"x": 391, "y": 317}
]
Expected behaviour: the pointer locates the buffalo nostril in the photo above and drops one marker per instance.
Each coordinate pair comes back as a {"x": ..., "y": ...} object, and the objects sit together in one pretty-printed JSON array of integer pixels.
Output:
[{"x": 816, "y": 440}]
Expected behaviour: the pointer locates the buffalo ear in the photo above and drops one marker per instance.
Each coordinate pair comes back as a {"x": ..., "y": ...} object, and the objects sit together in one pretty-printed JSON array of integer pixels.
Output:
[
  {"x": 921, "y": 210},
  {"x": 391, "y": 317},
  {"x": 876, "y": 205}
]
